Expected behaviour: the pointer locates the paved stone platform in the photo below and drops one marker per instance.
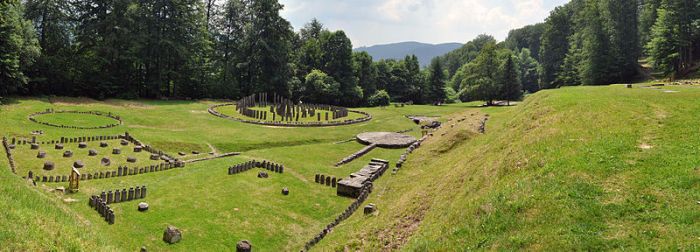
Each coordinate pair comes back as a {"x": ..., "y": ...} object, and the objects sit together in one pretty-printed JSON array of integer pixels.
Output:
[{"x": 386, "y": 139}]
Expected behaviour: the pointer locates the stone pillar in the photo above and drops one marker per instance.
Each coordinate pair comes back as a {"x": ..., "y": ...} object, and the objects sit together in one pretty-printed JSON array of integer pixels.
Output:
[
  {"x": 110, "y": 197},
  {"x": 317, "y": 178},
  {"x": 117, "y": 196},
  {"x": 131, "y": 194},
  {"x": 143, "y": 192},
  {"x": 137, "y": 194},
  {"x": 124, "y": 197}
]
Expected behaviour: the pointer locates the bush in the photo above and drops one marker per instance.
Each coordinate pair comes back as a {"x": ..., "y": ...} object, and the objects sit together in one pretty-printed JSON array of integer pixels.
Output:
[{"x": 380, "y": 98}]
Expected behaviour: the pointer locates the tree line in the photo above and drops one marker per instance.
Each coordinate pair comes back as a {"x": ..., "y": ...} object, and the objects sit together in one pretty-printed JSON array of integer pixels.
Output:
[
  {"x": 193, "y": 49},
  {"x": 584, "y": 42},
  {"x": 230, "y": 49}
]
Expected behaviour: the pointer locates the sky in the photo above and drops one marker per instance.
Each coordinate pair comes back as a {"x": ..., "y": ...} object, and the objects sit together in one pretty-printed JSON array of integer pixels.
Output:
[{"x": 372, "y": 22}]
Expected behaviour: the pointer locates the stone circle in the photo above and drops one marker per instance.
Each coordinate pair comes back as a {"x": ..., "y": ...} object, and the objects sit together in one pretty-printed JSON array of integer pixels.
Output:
[
  {"x": 386, "y": 139},
  {"x": 118, "y": 121}
]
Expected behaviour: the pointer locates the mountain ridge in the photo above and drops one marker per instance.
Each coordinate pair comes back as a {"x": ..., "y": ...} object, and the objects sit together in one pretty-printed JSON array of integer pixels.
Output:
[{"x": 424, "y": 51}]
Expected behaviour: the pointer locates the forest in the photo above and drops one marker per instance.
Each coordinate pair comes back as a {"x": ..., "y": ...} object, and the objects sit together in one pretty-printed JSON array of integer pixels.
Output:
[{"x": 193, "y": 49}]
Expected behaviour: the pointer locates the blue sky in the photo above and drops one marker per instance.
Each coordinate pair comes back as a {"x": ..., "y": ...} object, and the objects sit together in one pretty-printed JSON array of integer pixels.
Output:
[{"x": 370, "y": 22}]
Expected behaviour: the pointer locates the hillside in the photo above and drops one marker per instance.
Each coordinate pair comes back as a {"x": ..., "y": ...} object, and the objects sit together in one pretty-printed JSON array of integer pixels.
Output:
[
  {"x": 584, "y": 168},
  {"x": 424, "y": 52}
]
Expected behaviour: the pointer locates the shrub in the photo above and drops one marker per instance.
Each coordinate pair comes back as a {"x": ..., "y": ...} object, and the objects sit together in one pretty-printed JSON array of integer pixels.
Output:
[{"x": 380, "y": 98}]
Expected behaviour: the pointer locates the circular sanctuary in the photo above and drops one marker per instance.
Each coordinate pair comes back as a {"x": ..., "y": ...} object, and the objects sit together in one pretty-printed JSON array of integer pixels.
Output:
[
  {"x": 76, "y": 119},
  {"x": 274, "y": 110}
]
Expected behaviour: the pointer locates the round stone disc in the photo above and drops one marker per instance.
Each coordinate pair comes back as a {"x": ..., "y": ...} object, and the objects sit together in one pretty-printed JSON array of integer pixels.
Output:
[{"x": 386, "y": 139}]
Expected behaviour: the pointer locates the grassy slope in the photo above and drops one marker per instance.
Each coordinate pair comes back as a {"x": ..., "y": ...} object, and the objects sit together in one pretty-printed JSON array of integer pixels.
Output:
[
  {"x": 33, "y": 221},
  {"x": 564, "y": 171}
]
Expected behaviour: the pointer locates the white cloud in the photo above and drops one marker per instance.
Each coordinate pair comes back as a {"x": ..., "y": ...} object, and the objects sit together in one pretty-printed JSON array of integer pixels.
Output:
[{"x": 369, "y": 22}]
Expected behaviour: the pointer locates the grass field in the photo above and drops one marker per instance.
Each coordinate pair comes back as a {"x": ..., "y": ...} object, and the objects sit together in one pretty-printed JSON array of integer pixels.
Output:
[
  {"x": 581, "y": 168},
  {"x": 214, "y": 210}
]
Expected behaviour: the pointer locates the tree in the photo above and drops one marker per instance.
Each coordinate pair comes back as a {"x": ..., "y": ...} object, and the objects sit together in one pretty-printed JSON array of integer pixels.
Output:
[
  {"x": 528, "y": 66},
  {"x": 320, "y": 88},
  {"x": 595, "y": 66},
  {"x": 380, "y": 98},
  {"x": 337, "y": 62},
  {"x": 528, "y": 37},
  {"x": 54, "y": 71},
  {"x": 647, "y": 18},
  {"x": 18, "y": 49},
  {"x": 620, "y": 18},
  {"x": 511, "y": 88},
  {"x": 269, "y": 49},
  {"x": 436, "y": 83},
  {"x": 664, "y": 46},
  {"x": 554, "y": 46},
  {"x": 365, "y": 73}
]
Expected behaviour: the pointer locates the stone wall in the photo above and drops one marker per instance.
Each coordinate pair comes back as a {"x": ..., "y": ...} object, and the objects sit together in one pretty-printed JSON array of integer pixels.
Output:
[
  {"x": 364, "y": 193},
  {"x": 356, "y": 155}
]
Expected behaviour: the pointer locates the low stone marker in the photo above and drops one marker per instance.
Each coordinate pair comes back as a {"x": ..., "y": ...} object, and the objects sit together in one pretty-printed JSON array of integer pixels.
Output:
[
  {"x": 143, "y": 206},
  {"x": 41, "y": 154},
  {"x": 370, "y": 208},
  {"x": 48, "y": 165},
  {"x": 244, "y": 246},
  {"x": 67, "y": 154},
  {"x": 105, "y": 161},
  {"x": 34, "y": 146},
  {"x": 78, "y": 164},
  {"x": 263, "y": 175},
  {"x": 116, "y": 151},
  {"x": 103, "y": 144},
  {"x": 124, "y": 142},
  {"x": 285, "y": 191},
  {"x": 131, "y": 159},
  {"x": 82, "y": 145},
  {"x": 92, "y": 153},
  {"x": 59, "y": 146},
  {"x": 172, "y": 235}
]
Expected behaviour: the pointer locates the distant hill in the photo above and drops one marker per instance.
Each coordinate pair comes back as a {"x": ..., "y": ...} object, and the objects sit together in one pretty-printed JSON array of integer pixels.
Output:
[{"x": 424, "y": 52}]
